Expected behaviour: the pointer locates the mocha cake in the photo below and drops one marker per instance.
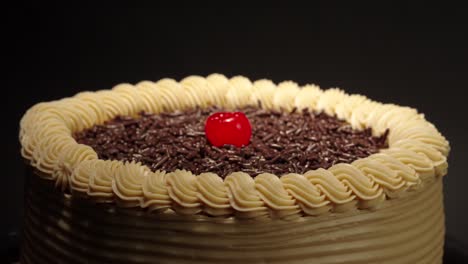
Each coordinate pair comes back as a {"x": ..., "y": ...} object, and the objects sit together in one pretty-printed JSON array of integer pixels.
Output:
[{"x": 217, "y": 170}]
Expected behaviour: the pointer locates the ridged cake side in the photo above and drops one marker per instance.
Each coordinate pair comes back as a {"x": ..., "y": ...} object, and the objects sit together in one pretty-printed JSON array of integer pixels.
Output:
[{"x": 62, "y": 229}]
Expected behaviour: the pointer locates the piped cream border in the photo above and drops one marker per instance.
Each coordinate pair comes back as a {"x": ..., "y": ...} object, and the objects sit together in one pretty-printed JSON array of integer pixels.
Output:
[{"x": 417, "y": 151}]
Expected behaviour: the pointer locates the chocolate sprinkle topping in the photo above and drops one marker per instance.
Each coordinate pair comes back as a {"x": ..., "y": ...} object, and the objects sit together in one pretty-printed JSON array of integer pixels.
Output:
[{"x": 281, "y": 142}]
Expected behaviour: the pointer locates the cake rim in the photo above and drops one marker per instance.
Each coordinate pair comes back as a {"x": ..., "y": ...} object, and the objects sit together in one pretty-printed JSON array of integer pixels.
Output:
[{"x": 417, "y": 151}]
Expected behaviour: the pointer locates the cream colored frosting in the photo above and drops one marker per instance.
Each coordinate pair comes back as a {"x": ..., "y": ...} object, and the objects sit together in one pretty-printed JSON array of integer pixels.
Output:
[
  {"x": 46, "y": 156},
  {"x": 345, "y": 108},
  {"x": 360, "y": 115},
  {"x": 156, "y": 196},
  {"x": 220, "y": 84},
  {"x": 127, "y": 184},
  {"x": 90, "y": 100},
  {"x": 149, "y": 94},
  {"x": 275, "y": 196},
  {"x": 369, "y": 193},
  {"x": 263, "y": 91},
  {"x": 182, "y": 188},
  {"x": 202, "y": 91},
  {"x": 213, "y": 194},
  {"x": 101, "y": 178},
  {"x": 81, "y": 175},
  {"x": 160, "y": 96},
  {"x": 308, "y": 196},
  {"x": 330, "y": 99},
  {"x": 421, "y": 164},
  {"x": 389, "y": 115},
  {"x": 238, "y": 94},
  {"x": 333, "y": 189},
  {"x": 417, "y": 151},
  {"x": 130, "y": 96},
  {"x": 70, "y": 157},
  {"x": 243, "y": 196},
  {"x": 307, "y": 97},
  {"x": 285, "y": 96},
  {"x": 113, "y": 104}
]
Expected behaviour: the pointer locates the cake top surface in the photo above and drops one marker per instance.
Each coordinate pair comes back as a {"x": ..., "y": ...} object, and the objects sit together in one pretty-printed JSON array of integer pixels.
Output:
[
  {"x": 281, "y": 142},
  {"x": 415, "y": 150}
]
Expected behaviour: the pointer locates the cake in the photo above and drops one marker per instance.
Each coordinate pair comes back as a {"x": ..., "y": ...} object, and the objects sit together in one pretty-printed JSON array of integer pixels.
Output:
[{"x": 218, "y": 170}]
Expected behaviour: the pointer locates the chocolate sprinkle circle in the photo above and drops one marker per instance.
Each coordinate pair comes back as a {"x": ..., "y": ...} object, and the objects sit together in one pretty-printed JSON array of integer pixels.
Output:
[{"x": 281, "y": 142}]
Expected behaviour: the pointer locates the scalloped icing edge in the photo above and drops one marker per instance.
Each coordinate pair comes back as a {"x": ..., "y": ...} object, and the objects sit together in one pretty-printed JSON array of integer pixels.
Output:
[{"x": 417, "y": 152}]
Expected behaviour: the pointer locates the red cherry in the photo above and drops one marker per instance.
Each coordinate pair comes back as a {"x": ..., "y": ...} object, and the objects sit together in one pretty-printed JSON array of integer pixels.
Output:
[{"x": 228, "y": 128}]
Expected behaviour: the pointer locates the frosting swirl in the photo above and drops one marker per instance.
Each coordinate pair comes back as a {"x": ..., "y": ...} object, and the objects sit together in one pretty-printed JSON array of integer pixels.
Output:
[
  {"x": 93, "y": 102},
  {"x": 421, "y": 164},
  {"x": 155, "y": 192},
  {"x": 238, "y": 94},
  {"x": 72, "y": 157},
  {"x": 149, "y": 94},
  {"x": 345, "y": 108},
  {"x": 243, "y": 196},
  {"x": 285, "y": 95},
  {"x": 220, "y": 85},
  {"x": 172, "y": 95},
  {"x": 263, "y": 91},
  {"x": 100, "y": 182},
  {"x": 127, "y": 184},
  {"x": 369, "y": 193},
  {"x": 329, "y": 100},
  {"x": 308, "y": 96},
  {"x": 306, "y": 194},
  {"x": 182, "y": 189},
  {"x": 200, "y": 91},
  {"x": 275, "y": 196},
  {"x": 213, "y": 194}
]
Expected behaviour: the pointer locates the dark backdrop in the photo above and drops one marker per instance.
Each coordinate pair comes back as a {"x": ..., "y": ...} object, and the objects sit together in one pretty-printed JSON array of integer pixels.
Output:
[{"x": 413, "y": 54}]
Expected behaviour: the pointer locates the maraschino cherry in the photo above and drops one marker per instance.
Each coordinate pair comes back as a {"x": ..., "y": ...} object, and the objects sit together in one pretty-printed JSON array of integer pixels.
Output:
[{"x": 228, "y": 128}]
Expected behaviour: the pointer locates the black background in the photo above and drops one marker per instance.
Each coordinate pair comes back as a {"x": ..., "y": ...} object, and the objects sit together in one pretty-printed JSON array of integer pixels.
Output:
[{"x": 413, "y": 54}]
